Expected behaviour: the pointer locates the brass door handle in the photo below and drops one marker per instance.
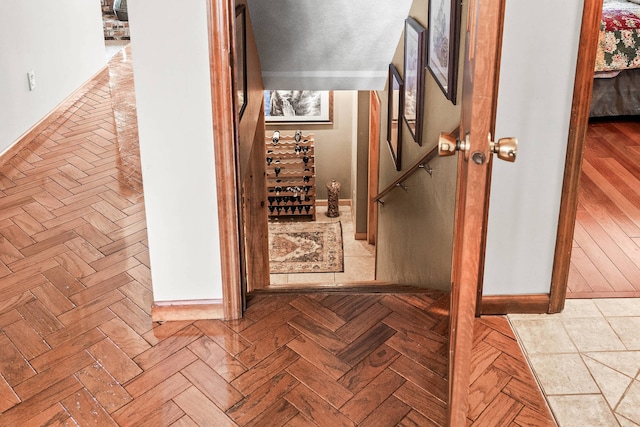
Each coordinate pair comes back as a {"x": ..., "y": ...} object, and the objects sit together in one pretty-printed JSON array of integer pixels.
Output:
[
  {"x": 449, "y": 144},
  {"x": 505, "y": 148}
]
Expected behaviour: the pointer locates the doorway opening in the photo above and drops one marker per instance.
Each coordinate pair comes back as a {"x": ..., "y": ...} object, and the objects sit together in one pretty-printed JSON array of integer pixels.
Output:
[
  {"x": 115, "y": 25},
  {"x": 605, "y": 260},
  {"x": 595, "y": 204},
  {"x": 317, "y": 199}
]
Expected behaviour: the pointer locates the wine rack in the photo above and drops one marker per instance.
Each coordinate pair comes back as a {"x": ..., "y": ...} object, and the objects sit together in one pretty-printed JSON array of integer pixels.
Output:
[{"x": 291, "y": 178}]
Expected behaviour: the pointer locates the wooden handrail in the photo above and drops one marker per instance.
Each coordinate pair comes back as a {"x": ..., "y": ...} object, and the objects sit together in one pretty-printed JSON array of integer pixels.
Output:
[{"x": 397, "y": 183}]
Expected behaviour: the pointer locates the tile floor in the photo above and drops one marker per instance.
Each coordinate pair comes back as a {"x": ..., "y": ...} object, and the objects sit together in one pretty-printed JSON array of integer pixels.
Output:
[
  {"x": 587, "y": 360},
  {"x": 359, "y": 256}
]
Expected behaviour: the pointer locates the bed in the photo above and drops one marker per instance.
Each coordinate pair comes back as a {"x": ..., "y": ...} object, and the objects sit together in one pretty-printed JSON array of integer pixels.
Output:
[{"x": 616, "y": 87}]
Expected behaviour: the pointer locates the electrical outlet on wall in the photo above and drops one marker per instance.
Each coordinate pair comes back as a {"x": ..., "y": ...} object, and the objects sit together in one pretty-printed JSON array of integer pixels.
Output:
[{"x": 31, "y": 78}]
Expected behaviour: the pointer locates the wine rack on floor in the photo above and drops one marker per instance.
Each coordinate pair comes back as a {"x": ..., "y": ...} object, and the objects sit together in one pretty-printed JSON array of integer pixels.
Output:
[{"x": 291, "y": 178}]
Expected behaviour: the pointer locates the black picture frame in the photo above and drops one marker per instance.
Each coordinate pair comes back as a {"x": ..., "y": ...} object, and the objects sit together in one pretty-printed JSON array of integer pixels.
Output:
[
  {"x": 310, "y": 106},
  {"x": 443, "y": 45},
  {"x": 395, "y": 104},
  {"x": 415, "y": 36},
  {"x": 241, "y": 60}
]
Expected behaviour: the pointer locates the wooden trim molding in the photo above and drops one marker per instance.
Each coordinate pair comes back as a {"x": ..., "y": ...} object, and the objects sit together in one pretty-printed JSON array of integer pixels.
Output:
[
  {"x": 509, "y": 304},
  {"x": 52, "y": 116},
  {"x": 187, "y": 310},
  {"x": 485, "y": 225},
  {"x": 374, "y": 167},
  {"x": 221, "y": 14},
  {"x": 573, "y": 163}
]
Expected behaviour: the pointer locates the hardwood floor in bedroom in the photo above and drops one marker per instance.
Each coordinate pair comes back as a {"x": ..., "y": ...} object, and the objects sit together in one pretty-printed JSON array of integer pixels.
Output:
[
  {"x": 78, "y": 346},
  {"x": 606, "y": 251}
]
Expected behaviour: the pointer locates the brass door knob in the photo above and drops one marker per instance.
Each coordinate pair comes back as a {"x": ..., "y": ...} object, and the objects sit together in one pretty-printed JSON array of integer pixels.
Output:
[
  {"x": 449, "y": 144},
  {"x": 505, "y": 148}
]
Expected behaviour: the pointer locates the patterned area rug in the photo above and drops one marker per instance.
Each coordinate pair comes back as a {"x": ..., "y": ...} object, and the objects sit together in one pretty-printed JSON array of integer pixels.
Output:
[{"x": 305, "y": 247}]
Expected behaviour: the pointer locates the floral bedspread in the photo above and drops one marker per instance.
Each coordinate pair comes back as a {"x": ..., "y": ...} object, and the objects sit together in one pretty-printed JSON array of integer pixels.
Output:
[{"x": 619, "y": 42}]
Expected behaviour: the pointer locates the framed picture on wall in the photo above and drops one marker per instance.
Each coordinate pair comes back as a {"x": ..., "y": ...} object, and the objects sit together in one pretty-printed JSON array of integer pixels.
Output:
[
  {"x": 241, "y": 60},
  {"x": 395, "y": 105},
  {"x": 414, "y": 52},
  {"x": 443, "y": 45},
  {"x": 298, "y": 106}
]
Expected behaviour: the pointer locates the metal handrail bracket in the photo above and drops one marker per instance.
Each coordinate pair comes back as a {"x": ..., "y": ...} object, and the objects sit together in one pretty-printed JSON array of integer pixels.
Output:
[{"x": 423, "y": 163}]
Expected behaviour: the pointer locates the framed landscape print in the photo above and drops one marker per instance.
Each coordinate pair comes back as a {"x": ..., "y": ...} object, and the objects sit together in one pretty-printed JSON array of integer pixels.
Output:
[
  {"x": 241, "y": 60},
  {"x": 298, "y": 106},
  {"x": 414, "y": 52},
  {"x": 394, "y": 128},
  {"x": 443, "y": 45}
]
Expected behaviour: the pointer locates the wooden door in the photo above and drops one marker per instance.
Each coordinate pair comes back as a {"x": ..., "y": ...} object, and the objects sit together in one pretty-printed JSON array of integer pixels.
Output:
[{"x": 477, "y": 122}]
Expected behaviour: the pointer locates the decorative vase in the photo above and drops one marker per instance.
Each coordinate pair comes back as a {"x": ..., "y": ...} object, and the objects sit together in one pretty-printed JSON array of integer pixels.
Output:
[
  {"x": 333, "y": 195},
  {"x": 120, "y": 9}
]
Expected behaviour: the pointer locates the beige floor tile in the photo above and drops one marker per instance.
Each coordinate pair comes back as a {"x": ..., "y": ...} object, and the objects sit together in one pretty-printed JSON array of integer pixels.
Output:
[
  {"x": 543, "y": 335},
  {"x": 626, "y": 362},
  {"x": 592, "y": 334},
  {"x": 279, "y": 279},
  {"x": 311, "y": 278},
  {"x": 543, "y": 316},
  {"x": 603, "y": 336},
  {"x": 563, "y": 374},
  {"x": 358, "y": 248},
  {"x": 348, "y": 229},
  {"x": 630, "y": 405},
  {"x": 619, "y": 306},
  {"x": 346, "y": 219},
  {"x": 628, "y": 329},
  {"x": 576, "y": 308},
  {"x": 625, "y": 422},
  {"x": 357, "y": 269},
  {"x": 582, "y": 411},
  {"x": 612, "y": 383}
]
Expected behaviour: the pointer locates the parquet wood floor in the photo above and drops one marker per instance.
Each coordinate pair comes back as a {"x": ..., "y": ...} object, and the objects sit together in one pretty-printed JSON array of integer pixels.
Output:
[
  {"x": 77, "y": 345},
  {"x": 605, "y": 260}
]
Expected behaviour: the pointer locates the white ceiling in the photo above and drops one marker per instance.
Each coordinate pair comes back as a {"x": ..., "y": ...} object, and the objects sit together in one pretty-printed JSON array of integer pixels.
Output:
[{"x": 327, "y": 44}]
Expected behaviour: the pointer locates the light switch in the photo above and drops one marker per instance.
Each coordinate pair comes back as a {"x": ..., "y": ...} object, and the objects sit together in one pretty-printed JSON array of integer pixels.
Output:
[{"x": 31, "y": 78}]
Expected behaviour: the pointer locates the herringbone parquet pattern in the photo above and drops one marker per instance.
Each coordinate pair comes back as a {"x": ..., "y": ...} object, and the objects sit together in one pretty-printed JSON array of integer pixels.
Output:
[
  {"x": 503, "y": 391},
  {"x": 337, "y": 359},
  {"x": 77, "y": 345}
]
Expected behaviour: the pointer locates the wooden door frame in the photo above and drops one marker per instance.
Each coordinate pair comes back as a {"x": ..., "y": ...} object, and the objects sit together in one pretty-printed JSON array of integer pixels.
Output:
[
  {"x": 578, "y": 124},
  {"x": 374, "y": 167},
  {"x": 220, "y": 16}
]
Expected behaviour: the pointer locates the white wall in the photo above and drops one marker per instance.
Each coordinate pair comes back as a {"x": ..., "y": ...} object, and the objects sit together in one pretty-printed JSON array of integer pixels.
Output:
[
  {"x": 534, "y": 103},
  {"x": 171, "y": 71},
  {"x": 61, "y": 41}
]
